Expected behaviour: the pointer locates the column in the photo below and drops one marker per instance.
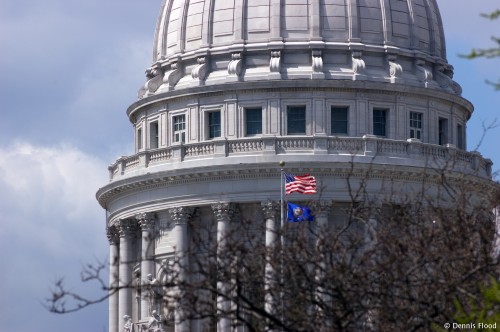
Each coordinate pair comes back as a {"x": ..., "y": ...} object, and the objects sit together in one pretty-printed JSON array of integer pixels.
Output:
[
  {"x": 114, "y": 240},
  {"x": 322, "y": 210},
  {"x": 181, "y": 217},
  {"x": 324, "y": 306},
  {"x": 127, "y": 229},
  {"x": 271, "y": 211},
  {"x": 370, "y": 318},
  {"x": 146, "y": 223},
  {"x": 223, "y": 213}
]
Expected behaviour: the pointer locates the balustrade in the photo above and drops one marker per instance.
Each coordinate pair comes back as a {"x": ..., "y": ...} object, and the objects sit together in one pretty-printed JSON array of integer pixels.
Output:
[{"x": 355, "y": 146}]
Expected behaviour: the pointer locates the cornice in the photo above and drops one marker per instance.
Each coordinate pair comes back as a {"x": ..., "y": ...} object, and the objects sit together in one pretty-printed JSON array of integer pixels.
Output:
[
  {"x": 390, "y": 173},
  {"x": 300, "y": 85}
]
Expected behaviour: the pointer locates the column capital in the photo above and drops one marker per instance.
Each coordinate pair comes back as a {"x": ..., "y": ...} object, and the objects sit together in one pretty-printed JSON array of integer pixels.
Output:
[
  {"x": 146, "y": 220},
  {"x": 181, "y": 215},
  {"x": 113, "y": 234},
  {"x": 127, "y": 227},
  {"x": 271, "y": 209},
  {"x": 223, "y": 211},
  {"x": 322, "y": 208}
]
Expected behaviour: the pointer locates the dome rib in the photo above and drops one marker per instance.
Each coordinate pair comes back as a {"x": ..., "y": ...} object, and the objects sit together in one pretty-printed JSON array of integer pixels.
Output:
[{"x": 376, "y": 40}]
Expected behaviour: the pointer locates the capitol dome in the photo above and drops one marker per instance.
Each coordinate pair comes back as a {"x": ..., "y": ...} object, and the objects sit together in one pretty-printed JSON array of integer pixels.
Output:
[
  {"x": 212, "y": 42},
  {"x": 356, "y": 93}
]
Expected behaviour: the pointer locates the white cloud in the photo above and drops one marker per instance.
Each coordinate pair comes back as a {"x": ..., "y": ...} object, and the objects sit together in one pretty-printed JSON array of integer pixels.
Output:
[
  {"x": 50, "y": 226},
  {"x": 48, "y": 191}
]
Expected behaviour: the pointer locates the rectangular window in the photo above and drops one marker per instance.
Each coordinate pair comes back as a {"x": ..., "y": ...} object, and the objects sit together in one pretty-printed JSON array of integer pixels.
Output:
[
  {"x": 416, "y": 125},
  {"x": 153, "y": 135},
  {"x": 460, "y": 137},
  {"x": 179, "y": 123},
  {"x": 296, "y": 120},
  {"x": 253, "y": 118},
  {"x": 379, "y": 122},
  {"x": 214, "y": 125},
  {"x": 443, "y": 131},
  {"x": 339, "y": 116},
  {"x": 139, "y": 139}
]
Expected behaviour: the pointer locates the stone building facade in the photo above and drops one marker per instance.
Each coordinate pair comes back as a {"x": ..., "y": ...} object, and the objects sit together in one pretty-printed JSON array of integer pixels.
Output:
[{"x": 334, "y": 88}]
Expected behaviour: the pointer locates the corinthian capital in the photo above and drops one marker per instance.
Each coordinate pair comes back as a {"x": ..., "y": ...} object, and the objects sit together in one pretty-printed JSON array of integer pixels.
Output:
[
  {"x": 271, "y": 209},
  {"x": 146, "y": 220},
  {"x": 181, "y": 215},
  {"x": 322, "y": 208},
  {"x": 127, "y": 227},
  {"x": 223, "y": 211},
  {"x": 113, "y": 234}
]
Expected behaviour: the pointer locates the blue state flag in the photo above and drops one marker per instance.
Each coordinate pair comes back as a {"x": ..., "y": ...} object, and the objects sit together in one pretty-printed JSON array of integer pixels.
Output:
[{"x": 298, "y": 213}]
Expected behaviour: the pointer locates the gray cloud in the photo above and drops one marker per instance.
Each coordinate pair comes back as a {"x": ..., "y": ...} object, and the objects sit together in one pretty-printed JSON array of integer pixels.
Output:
[
  {"x": 50, "y": 226},
  {"x": 68, "y": 71}
]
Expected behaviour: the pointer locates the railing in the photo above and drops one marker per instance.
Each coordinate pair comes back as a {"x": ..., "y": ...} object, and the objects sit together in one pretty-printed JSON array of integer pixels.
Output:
[
  {"x": 392, "y": 147},
  {"x": 245, "y": 145},
  {"x": 355, "y": 146},
  {"x": 160, "y": 156},
  {"x": 199, "y": 150},
  {"x": 296, "y": 143},
  {"x": 352, "y": 145}
]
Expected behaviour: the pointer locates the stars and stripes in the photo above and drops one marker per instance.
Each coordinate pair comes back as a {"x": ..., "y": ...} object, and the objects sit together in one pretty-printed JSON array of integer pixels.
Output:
[{"x": 302, "y": 184}]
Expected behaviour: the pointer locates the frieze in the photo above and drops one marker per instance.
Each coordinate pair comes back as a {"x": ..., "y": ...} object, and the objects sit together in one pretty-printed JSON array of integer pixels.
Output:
[
  {"x": 360, "y": 172},
  {"x": 369, "y": 88}
]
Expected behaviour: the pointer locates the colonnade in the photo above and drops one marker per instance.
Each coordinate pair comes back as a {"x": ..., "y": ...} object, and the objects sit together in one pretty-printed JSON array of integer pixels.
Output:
[{"x": 125, "y": 232}]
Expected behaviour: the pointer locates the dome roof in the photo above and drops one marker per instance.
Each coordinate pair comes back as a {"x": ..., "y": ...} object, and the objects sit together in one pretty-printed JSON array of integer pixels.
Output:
[
  {"x": 186, "y": 26},
  {"x": 378, "y": 40}
]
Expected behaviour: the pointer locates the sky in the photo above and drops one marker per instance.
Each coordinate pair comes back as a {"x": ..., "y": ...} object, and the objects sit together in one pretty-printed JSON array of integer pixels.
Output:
[{"x": 68, "y": 71}]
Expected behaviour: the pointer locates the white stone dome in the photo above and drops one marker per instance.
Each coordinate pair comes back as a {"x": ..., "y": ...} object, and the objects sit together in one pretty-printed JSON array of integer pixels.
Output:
[
  {"x": 357, "y": 93},
  {"x": 207, "y": 42}
]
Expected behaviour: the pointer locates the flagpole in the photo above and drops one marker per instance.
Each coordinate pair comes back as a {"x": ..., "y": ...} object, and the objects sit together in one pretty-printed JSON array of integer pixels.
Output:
[
  {"x": 282, "y": 164},
  {"x": 282, "y": 239}
]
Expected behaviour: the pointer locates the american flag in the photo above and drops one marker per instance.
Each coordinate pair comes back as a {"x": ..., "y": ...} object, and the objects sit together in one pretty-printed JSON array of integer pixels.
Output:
[{"x": 303, "y": 184}]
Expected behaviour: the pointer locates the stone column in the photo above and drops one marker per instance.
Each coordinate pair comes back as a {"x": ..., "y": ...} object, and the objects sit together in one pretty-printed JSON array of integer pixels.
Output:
[
  {"x": 271, "y": 212},
  {"x": 370, "y": 319},
  {"x": 181, "y": 217},
  {"x": 114, "y": 240},
  {"x": 128, "y": 229},
  {"x": 146, "y": 222},
  {"x": 223, "y": 213},
  {"x": 322, "y": 210}
]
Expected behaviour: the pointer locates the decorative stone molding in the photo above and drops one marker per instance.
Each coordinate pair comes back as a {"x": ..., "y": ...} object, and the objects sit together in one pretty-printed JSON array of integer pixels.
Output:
[
  {"x": 395, "y": 69},
  {"x": 171, "y": 77},
  {"x": 275, "y": 65},
  {"x": 113, "y": 234},
  {"x": 444, "y": 77},
  {"x": 358, "y": 64},
  {"x": 235, "y": 65},
  {"x": 317, "y": 65},
  {"x": 270, "y": 209},
  {"x": 128, "y": 325},
  {"x": 155, "y": 80},
  {"x": 181, "y": 215},
  {"x": 127, "y": 227},
  {"x": 200, "y": 71},
  {"x": 424, "y": 75}
]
